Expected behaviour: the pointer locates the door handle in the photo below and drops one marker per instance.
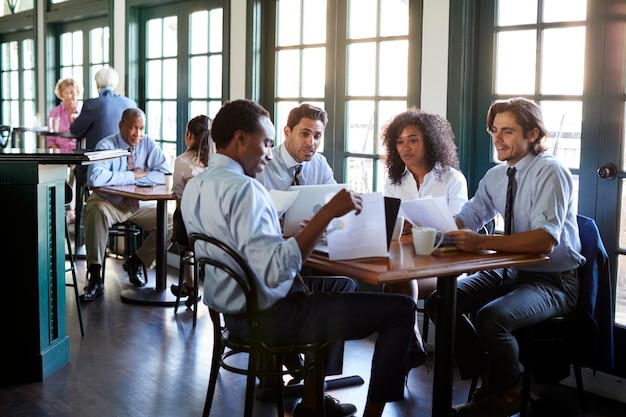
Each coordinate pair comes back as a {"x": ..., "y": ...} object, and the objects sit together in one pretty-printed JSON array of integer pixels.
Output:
[{"x": 607, "y": 172}]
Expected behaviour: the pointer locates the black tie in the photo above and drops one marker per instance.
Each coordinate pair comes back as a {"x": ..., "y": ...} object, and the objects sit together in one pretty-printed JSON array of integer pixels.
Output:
[
  {"x": 131, "y": 203},
  {"x": 296, "y": 175},
  {"x": 511, "y": 188}
]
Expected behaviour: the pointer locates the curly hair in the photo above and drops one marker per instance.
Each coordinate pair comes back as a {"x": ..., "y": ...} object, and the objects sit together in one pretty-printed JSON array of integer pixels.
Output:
[
  {"x": 236, "y": 115},
  {"x": 439, "y": 146},
  {"x": 200, "y": 129}
]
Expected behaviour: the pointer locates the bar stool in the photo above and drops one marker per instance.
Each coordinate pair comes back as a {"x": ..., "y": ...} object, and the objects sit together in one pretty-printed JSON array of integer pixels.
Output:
[
  {"x": 132, "y": 234},
  {"x": 70, "y": 256}
]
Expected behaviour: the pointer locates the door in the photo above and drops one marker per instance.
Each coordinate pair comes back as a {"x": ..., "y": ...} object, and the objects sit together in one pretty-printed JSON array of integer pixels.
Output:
[{"x": 568, "y": 55}]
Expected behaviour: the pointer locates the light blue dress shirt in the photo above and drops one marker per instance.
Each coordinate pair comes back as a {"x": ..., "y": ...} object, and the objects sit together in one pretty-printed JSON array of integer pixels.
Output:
[
  {"x": 278, "y": 174},
  {"x": 148, "y": 155},
  {"x": 223, "y": 202},
  {"x": 544, "y": 200}
]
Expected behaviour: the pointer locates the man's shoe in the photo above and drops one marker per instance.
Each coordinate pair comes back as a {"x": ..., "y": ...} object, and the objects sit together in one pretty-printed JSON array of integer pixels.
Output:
[
  {"x": 134, "y": 267},
  {"x": 332, "y": 408},
  {"x": 491, "y": 406},
  {"x": 92, "y": 291},
  {"x": 94, "y": 288}
]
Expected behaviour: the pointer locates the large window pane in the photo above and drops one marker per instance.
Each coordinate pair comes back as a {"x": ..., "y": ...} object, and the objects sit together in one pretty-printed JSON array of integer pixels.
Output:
[
  {"x": 360, "y": 126},
  {"x": 361, "y": 79},
  {"x": 563, "y": 61},
  {"x": 515, "y": 62},
  {"x": 563, "y": 120},
  {"x": 288, "y": 73},
  {"x": 516, "y": 12},
  {"x": 392, "y": 72},
  {"x": 313, "y": 64},
  {"x": 564, "y": 10},
  {"x": 315, "y": 19},
  {"x": 362, "y": 19}
]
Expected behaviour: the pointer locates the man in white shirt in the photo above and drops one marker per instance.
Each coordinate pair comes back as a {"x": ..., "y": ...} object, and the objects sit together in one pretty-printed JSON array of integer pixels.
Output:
[
  {"x": 297, "y": 156},
  {"x": 225, "y": 201}
]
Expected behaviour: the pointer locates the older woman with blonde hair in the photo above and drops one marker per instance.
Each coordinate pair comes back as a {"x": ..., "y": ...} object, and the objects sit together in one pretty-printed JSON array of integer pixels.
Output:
[{"x": 67, "y": 90}]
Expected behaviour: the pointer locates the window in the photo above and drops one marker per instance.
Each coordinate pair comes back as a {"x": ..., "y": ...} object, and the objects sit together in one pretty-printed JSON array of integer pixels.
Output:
[
  {"x": 83, "y": 50},
  {"x": 183, "y": 68},
  {"x": 17, "y": 88},
  {"x": 357, "y": 70}
]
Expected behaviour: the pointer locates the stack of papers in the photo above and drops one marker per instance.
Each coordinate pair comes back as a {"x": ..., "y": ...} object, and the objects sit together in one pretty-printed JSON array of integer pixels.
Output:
[{"x": 429, "y": 212}]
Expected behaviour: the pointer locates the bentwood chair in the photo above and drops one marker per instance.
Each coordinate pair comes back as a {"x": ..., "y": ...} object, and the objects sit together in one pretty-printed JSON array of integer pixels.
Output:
[
  {"x": 264, "y": 361},
  {"x": 5, "y": 136},
  {"x": 583, "y": 338}
]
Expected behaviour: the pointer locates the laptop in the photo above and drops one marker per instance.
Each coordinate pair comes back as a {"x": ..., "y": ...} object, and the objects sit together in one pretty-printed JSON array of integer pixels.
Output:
[
  {"x": 308, "y": 202},
  {"x": 392, "y": 207}
]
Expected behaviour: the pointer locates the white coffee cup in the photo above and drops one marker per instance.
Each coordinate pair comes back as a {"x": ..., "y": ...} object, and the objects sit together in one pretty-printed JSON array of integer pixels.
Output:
[
  {"x": 425, "y": 240},
  {"x": 168, "y": 181},
  {"x": 397, "y": 228}
]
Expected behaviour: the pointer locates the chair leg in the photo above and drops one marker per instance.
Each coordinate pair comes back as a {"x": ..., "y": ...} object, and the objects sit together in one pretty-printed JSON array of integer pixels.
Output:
[
  {"x": 425, "y": 327},
  {"x": 74, "y": 280},
  {"x": 181, "y": 280},
  {"x": 278, "y": 384},
  {"x": 526, "y": 357},
  {"x": 580, "y": 388},
  {"x": 215, "y": 364},
  {"x": 472, "y": 388},
  {"x": 253, "y": 363}
]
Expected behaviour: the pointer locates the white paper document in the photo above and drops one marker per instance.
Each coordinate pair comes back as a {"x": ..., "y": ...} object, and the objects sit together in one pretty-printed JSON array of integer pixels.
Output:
[
  {"x": 283, "y": 200},
  {"x": 362, "y": 236},
  {"x": 429, "y": 212}
]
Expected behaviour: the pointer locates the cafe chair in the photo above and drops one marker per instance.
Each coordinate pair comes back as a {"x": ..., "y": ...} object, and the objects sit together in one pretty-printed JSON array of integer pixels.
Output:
[
  {"x": 132, "y": 235},
  {"x": 264, "y": 361},
  {"x": 72, "y": 260},
  {"x": 186, "y": 258},
  {"x": 583, "y": 338},
  {"x": 5, "y": 136}
]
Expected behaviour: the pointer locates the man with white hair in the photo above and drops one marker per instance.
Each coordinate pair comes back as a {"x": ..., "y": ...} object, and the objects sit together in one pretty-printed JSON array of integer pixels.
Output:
[{"x": 100, "y": 116}]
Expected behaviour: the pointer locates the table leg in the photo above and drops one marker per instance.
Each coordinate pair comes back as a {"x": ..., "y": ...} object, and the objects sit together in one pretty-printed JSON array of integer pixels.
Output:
[
  {"x": 444, "y": 346},
  {"x": 160, "y": 295}
]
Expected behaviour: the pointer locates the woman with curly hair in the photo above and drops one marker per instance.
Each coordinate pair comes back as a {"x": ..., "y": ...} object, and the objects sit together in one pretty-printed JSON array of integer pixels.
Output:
[{"x": 421, "y": 161}]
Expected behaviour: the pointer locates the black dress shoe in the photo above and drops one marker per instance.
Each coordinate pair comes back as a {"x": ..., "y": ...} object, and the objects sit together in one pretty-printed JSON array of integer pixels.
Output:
[
  {"x": 134, "y": 267},
  {"x": 92, "y": 291}
]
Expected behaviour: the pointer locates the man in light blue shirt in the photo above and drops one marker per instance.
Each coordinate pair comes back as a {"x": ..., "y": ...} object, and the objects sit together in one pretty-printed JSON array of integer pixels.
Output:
[
  {"x": 298, "y": 153},
  {"x": 146, "y": 164},
  {"x": 225, "y": 201},
  {"x": 543, "y": 222}
]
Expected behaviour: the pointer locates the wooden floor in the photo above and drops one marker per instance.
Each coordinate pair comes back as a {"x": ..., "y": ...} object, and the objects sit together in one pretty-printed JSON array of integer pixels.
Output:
[{"x": 145, "y": 361}]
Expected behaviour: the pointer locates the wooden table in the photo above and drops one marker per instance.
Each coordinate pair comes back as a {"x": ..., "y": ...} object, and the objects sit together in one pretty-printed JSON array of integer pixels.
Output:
[
  {"x": 403, "y": 265},
  {"x": 159, "y": 295}
]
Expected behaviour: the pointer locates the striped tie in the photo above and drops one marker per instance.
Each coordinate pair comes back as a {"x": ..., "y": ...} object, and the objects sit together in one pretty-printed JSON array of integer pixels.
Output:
[
  {"x": 511, "y": 188},
  {"x": 131, "y": 203},
  {"x": 296, "y": 175}
]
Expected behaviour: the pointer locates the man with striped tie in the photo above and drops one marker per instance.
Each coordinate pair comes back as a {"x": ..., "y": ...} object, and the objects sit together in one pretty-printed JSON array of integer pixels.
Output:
[
  {"x": 540, "y": 218},
  {"x": 296, "y": 161},
  {"x": 146, "y": 162}
]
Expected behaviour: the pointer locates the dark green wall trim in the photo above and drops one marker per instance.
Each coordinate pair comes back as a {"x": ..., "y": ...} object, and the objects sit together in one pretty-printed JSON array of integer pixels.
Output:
[{"x": 462, "y": 83}]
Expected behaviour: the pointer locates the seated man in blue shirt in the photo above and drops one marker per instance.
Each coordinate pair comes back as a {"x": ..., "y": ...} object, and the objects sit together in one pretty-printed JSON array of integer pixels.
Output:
[
  {"x": 227, "y": 202},
  {"x": 543, "y": 221},
  {"x": 146, "y": 163},
  {"x": 296, "y": 162},
  {"x": 297, "y": 156}
]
